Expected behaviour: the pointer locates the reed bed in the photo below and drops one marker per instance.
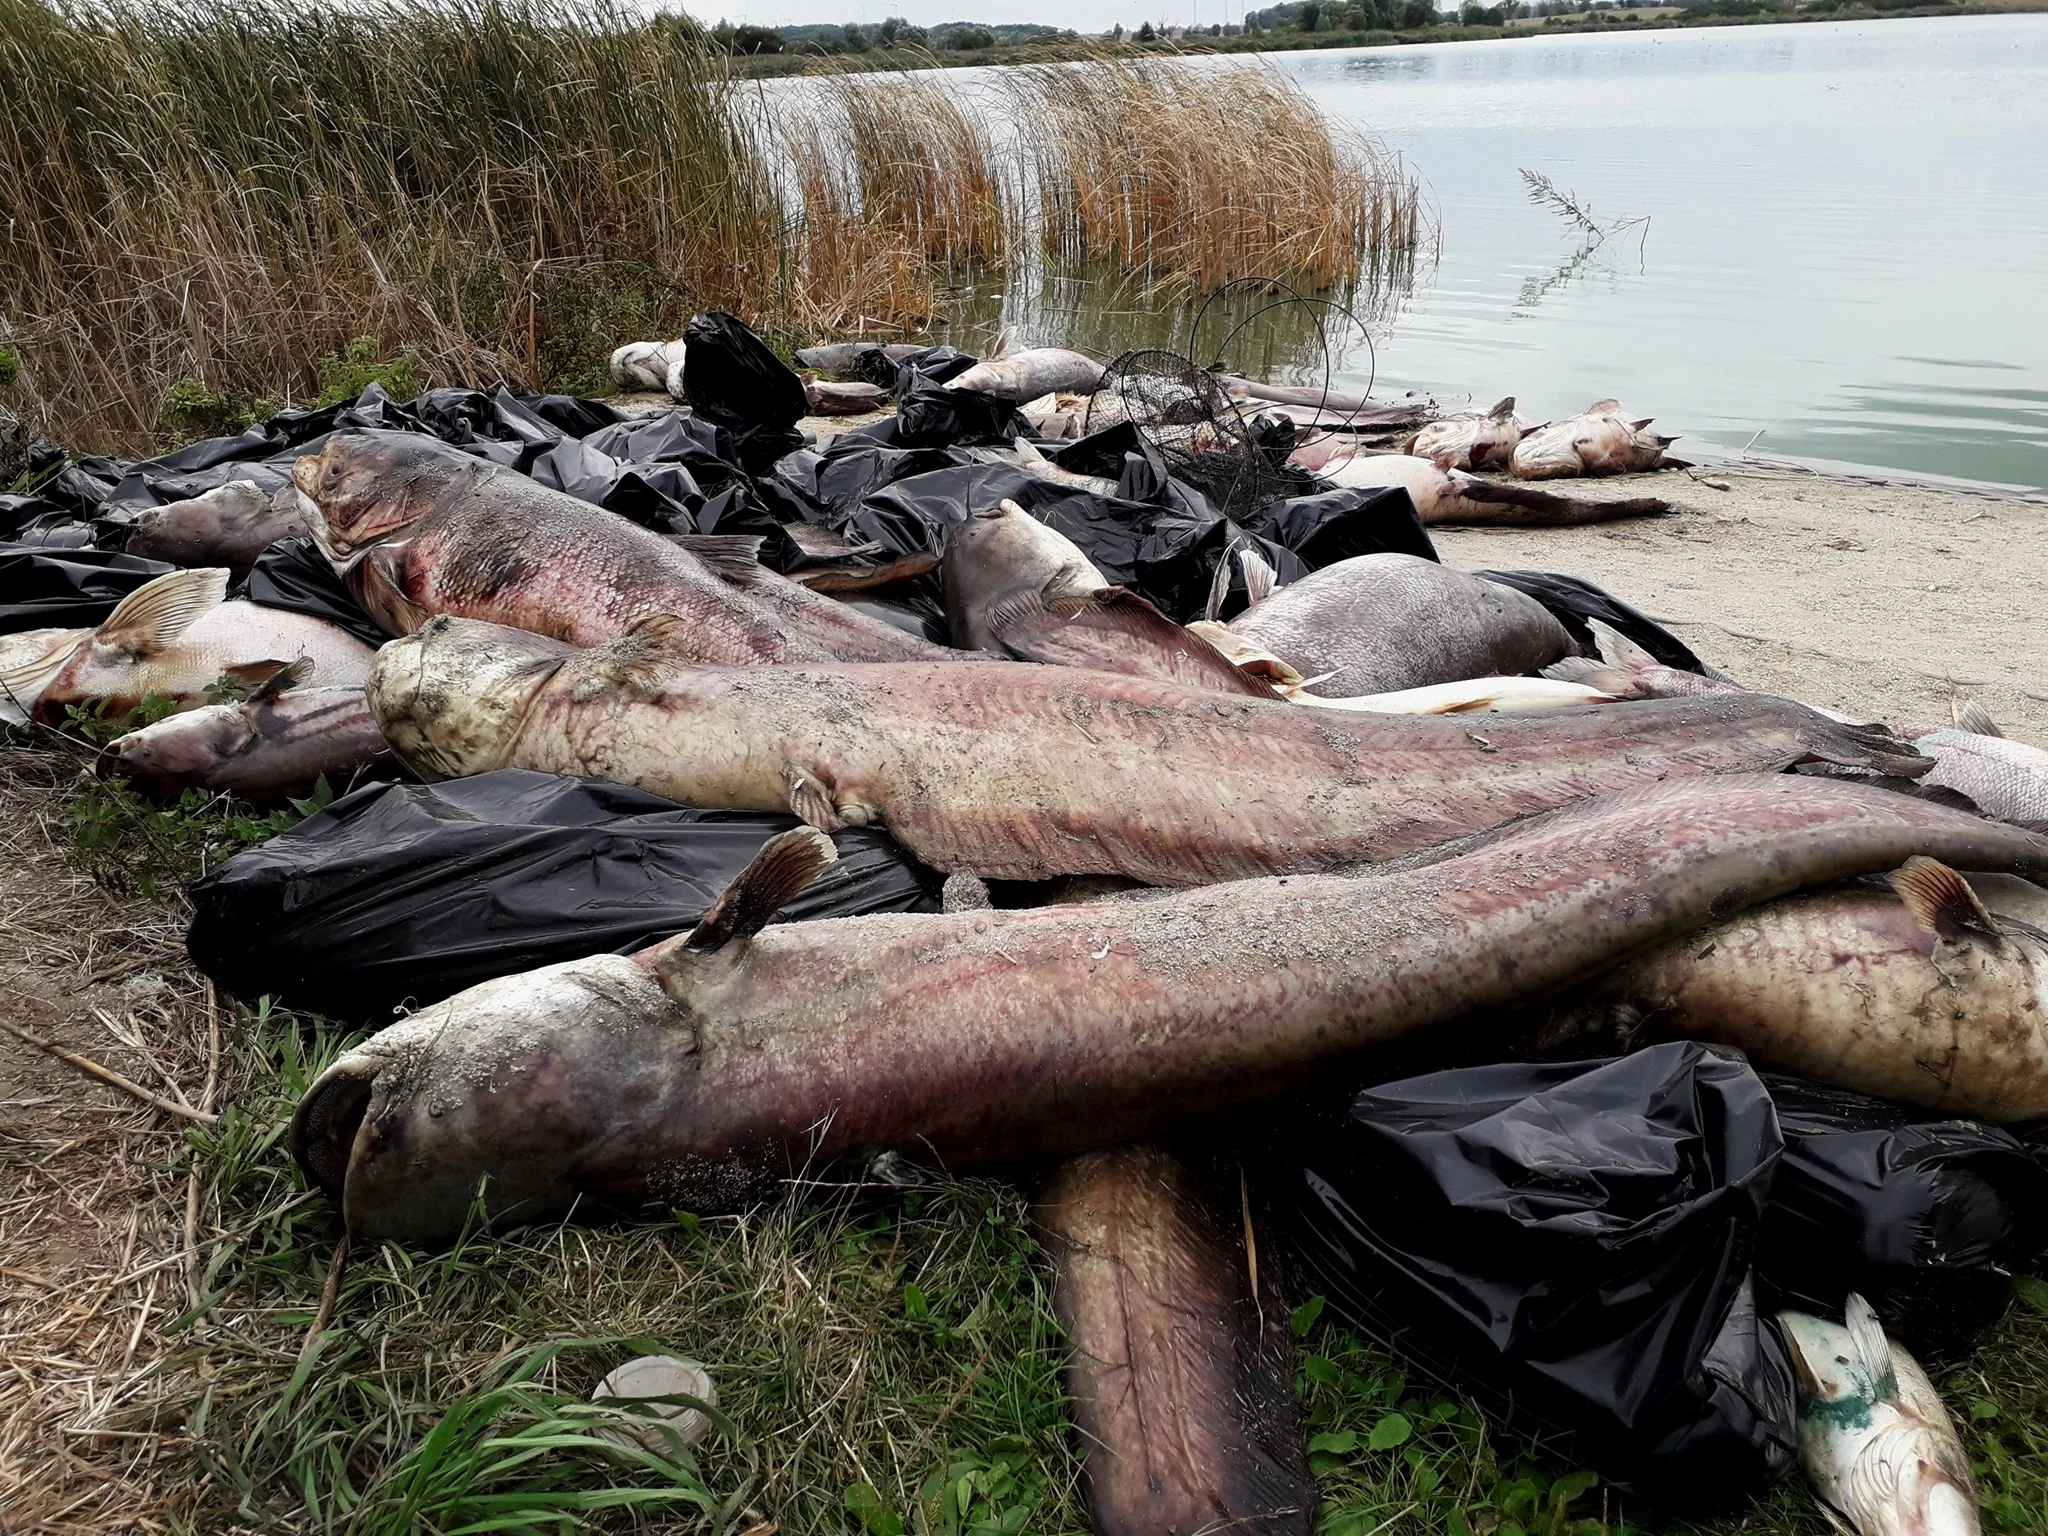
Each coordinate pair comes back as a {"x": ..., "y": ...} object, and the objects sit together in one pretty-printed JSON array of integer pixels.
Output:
[{"x": 223, "y": 191}]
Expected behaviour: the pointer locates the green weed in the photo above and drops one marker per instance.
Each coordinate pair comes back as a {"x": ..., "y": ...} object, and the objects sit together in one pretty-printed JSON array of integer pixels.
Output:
[
  {"x": 190, "y": 410},
  {"x": 344, "y": 375},
  {"x": 10, "y": 367}
]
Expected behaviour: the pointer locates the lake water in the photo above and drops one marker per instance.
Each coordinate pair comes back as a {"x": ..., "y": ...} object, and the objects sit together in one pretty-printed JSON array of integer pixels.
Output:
[{"x": 1847, "y": 247}]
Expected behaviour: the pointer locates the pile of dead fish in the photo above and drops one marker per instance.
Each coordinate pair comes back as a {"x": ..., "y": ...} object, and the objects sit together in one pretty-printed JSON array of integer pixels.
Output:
[{"x": 1578, "y": 1019}]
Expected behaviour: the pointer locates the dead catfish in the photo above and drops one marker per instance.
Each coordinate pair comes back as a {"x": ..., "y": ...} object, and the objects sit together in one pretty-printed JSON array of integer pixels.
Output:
[
  {"x": 229, "y": 525},
  {"x": 1181, "y": 1376},
  {"x": 701, "y": 1071},
  {"x": 1913, "y": 988},
  {"x": 1471, "y": 439},
  {"x": 175, "y": 638},
  {"x": 281, "y": 740},
  {"x": 1452, "y": 498},
  {"x": 1027, "y": 772},
  {"x": 417, "y": 528}
]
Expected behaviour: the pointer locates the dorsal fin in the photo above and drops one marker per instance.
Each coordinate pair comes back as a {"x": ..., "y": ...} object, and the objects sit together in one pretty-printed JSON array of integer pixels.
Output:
[
  {"x": 1974, "y": 718},
  {"x": 733, "y": 557},
  {"x": 1504, "y": 410},
  {"x": 1942, "y": 902},
  {"x": 1616, "y": 649},
  {"x": 1637, "y": 426},
  {"x": 1873, "y": 1349},
  {"x": 282, "y": 679},
  {"x": 1219, "y": 587},
  {"x": 1603, "y": 408},
  {"x": 1006, "y": 338},
  {"x": 148, "y": 619},
  {"x": 1259, "y": 577},
  {"x": 787, "y": 863}
]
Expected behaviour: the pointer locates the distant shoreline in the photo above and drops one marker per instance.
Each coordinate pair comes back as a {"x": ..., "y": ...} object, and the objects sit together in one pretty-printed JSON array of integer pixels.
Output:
[{"x": 1652, "y": 19}]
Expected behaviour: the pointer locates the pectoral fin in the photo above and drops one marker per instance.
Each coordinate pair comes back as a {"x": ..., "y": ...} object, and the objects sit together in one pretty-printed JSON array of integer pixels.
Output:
[{"x": 1942, "y": 902}]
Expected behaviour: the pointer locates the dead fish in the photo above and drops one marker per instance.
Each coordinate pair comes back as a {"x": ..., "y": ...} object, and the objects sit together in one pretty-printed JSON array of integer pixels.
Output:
[
  {"x": 417, "y": 529},
  {"x": 176, "y": 637},
  {"x": 645, "y": 365},
  {"x": 1910, "y": 989},
  {"x": 1627, "y": 671},
  {"x": 1597, "y": 441},
  {"x": 1054, "y": 417},
  {"x": 1470, "y": 440},
  {"x": 1024, "y": 773},
  {"x": 1874, "y": 1438},
  {"x": 1330, "y": 407},
  {"x": 29, "y": 658},
  {"x": 2007, "y": 779},
  {"x": 996, "y": 556},
  {"x": 1181, "y": 1378},
  {"x": 229, "y": 525},
  {"x": 1025, "y": 455},
  {"x": 841, "y": 356},
  {"x": 825, "y": 398},
  {"x": 1378, "y": 623},
  {"x": 699, "y": 1072},
  {"x": 1451, "y": 498},
  {"x": 1035, "y": 371},
  {"x": 281, "y": 740}
]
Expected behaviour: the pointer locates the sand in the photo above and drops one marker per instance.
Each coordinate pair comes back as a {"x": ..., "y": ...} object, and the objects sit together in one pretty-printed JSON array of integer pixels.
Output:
[{"x": 1861, "y": 595}]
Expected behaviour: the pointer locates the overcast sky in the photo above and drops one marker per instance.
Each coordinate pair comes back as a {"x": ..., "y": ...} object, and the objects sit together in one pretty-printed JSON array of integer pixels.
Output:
[{"x": 1081, "y": 15}]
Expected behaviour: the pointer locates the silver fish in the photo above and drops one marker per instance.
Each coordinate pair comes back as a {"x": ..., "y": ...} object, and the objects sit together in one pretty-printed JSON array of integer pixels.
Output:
[
  {"x": 2006, "y": 778},
  {"x": 1035, "y": 371},
  {"x": 645, "y": 365},
  {"x": 1874, "y": 1438}
]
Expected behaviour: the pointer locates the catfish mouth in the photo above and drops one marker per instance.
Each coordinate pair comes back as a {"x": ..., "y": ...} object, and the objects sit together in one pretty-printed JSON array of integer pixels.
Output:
[{"x": 323, "y": 1129}]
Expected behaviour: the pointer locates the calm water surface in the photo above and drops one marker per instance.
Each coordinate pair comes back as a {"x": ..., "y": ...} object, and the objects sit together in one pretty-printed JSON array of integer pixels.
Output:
[{"x": 1847, "y": 246}]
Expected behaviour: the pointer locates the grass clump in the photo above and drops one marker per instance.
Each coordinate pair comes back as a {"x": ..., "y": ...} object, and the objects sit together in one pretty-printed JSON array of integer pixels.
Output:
[
  {"x": 344, "y": 375},
  {"x": 10, "y": 368},
  {"x": 190, "y": 410}
]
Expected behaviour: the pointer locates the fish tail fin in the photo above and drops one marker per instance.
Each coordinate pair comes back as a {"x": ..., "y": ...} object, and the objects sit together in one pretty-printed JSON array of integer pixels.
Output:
[
  {"x": 22, "y": 682},
  {"x": 1871, "y": 747},
  {"x": 1508, "y": 504},
  {"x": 1259, "y": 576},
  {"x": 787, "y": 863},
  {"x": 1594, "y": 674}
]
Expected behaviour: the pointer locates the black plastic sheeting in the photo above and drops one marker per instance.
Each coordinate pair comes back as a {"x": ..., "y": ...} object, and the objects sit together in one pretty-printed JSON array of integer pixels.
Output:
[
  {"x": 1575, "y": 1237},
  {"x": 734, "y": 381},
  {"x": 1574, "y": 601},
  {"x": 406, "y": 893},
  {"x": 1927, "y": 1218},
  {"x": 293, "y": 574},
  {"x": 45, "y": 588}
]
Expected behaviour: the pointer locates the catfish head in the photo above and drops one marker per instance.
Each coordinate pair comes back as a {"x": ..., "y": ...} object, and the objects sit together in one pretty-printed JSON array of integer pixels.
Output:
[
  {"x": 524, "y": 1092},
  {"x": 451, "y": 696},
  {"x": 362, "y": 488}
]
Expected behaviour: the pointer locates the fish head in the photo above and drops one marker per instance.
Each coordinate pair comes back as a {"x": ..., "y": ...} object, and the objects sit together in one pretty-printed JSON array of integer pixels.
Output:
[
  {"x": 181, "y": 749},
  {"x": 505, "y": 1092},
  {"x": 364, "y": 487},
  {"x": 451, "y": 696},
  {"x": 1546, "y": 453}
]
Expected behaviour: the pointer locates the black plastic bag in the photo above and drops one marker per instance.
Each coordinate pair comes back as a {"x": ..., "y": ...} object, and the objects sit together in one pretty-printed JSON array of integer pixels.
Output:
[
  {"x": 929, "y": 415},
  {"x": 1575, "y": 1237},
  {"x": 52, "y": 588},
  {"x": 1927, "y": 1218},
  {"x": 1338, "y": 525},
  {"x": 292, "y": 574},
  {"x": 731, "y": 378},
  {"x": 1574, "y": 601},
  {"x": 407, "y": 893}
]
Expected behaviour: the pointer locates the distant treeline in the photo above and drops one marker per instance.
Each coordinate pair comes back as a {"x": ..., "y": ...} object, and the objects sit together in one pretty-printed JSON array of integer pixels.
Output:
[{"x": 852, "y": 37}]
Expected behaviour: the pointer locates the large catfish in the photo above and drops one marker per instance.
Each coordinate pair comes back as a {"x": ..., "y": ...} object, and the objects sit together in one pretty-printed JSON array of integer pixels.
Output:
[
  {"x": 699, "y": 1072},
  {"x": 418, "y": 528},
  {"x": 1025, "y": 772}
]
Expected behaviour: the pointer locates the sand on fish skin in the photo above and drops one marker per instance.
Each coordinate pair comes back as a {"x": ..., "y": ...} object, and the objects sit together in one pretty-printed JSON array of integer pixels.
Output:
[{"x": 1856, "y": 594}]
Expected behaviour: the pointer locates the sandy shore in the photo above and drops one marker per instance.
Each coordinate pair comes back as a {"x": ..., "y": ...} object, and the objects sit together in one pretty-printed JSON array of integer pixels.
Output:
[{"x": 1858, "y": 595}]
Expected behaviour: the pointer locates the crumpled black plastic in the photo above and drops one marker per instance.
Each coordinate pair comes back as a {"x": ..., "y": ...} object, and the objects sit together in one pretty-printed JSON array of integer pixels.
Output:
[
  {"x": 1928, "y": 1218},
  {"x": 731, "y": 378},
  {"x": 1574, "y": 600},
  {"x": 1574, "y": 1236},
  {"x": 929, "y": 415},
  {"x": 46, "y": 588},
  {"x": 1329, "y": 526},
  {"x": 292, "y": 574},
  {"x": 406, "y": 893}
]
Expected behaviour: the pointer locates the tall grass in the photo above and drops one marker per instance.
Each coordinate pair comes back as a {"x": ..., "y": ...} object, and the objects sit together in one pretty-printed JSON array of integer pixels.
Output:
[{"x": 227, "y": 190}]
